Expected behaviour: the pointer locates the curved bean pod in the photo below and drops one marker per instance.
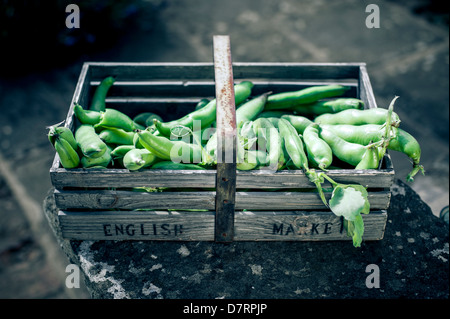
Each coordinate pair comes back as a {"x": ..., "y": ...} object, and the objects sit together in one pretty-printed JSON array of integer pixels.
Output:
[
  {"x": 98, "y": 99},
  {"x": 68, "y": 156},
  {"x": 89, "y": 142},
  {"x": 86, "y": 116},
  {"x": 350, "y": 153},
  {"x": 117, "y": 136},
  {"x": 331, "y": 106},
  {"x": 139, "y": 158},
  {"x": 318, "y": 151},
  {"x": 300, "y": 123},
  {"x": 101, "y": 161},
  {"x": 56, "y": 131},
  {"x": 369, "y": 160},
  {"x": 358, "y": 117},
  {"x": 288, "y": 100},
  {"x": 206, "y": 114},
  {"x": 116, "y": 119},
  {"x": 293, "y": 144}
]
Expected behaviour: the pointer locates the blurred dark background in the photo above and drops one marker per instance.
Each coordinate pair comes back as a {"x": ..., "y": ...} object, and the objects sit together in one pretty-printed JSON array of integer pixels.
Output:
[{"x": 42, "y": 58}]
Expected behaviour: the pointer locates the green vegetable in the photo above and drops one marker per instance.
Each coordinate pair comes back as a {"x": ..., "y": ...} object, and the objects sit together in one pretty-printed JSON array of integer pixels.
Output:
[
  {"x": 319, "y": 153},
  {"x": 67, "y": 155},
  {"x": 293, "y": 144},
  {"x": 86, "y": 116},
  {"x": 117, "y": 136},
  {"x": 56, "y": 131},
  {"x": 329, "y": 106},
  {"x": 270, "y": 139},
  {"x": 112, "y": 118},
  {"x": 121, "y": 150},
  {"x": 300, "y": 123},
  {"x": 289, "y": 100},
  {"x": 350, "y": 153},
  {"x": 98, "y": 100},
  {"x": 207, "y": 114},
  {"x": 89, "y": 142},
  {"x": 370, "y": 159},
  {"x": 138, "y": 158},
  {"x": 101, "y": 161},
  {"x": 247, "y": 112},
  {"x": 358, "y": 117},
  {"x": 146, "y": 118},
  {"x": 166, "y": 149}
]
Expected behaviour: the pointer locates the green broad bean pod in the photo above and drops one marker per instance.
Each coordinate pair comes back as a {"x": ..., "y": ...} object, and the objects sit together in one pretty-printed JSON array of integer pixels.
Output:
[
  {"x": 289, "y": 100},
  {"x": 370, "y": 159},
  {"x": 358, "y": 117},
  {"x": 350, "y": 153},
  {"x": 67, "y": 155},
  {"x": 252, "y": 159},
  {"x": 293, "y": 144},
  {"x": 246, "y": 112},
  {"x": 249, "y": 110},
  {"x": 146, "y": 118},
  {"x": 139, "y": 158},
  {"x": 99, "y": 97},
  {"x": 318, "y": 151},
  {"x": 102, "y": 161},
  {"x": 269, "y": 138},
  {"x": 112, "y": 118},
  {"x": 207, "y": 114},
  {"x": 401, "y": 141},
  {"x": 89, "y": 142},
  {"x": 121, "y": 150},
  {"x": 328, "y": 106},
  {"x": 57, "y": 131},
  {"x": 86, "y": 116},
  {"x": 117, "y": 136},
  {"x": 166, "y": 149},
  {"x": 300, "y": 123}
]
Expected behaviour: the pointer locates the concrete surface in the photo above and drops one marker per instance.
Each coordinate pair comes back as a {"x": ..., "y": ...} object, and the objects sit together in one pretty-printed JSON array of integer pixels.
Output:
[
  {"x": 412, "y": 262},
  {"x": 406, "y": 56}
]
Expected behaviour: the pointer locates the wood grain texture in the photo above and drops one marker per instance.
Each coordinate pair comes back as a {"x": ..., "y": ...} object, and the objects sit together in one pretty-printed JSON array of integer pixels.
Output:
[
  {"x": 129, "y": 200},
  {"x": 199, "y": 226}
]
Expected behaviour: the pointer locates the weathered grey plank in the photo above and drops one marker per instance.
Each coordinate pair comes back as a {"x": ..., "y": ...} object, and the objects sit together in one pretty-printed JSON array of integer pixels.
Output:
[
  {"x": 187, "y": 71},
  {"x": 257, "y": 179},
  {"x": 193, "y": 226},
  {"x": 129, "y": 200},
  {"x": 206, "y": 89},
  {"x": 137, "y": 225},
  {"x": 302, "y": 226}
]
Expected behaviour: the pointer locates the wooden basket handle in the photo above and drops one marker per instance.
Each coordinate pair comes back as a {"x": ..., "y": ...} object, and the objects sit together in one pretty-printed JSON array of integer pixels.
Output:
[{"x": 226, "y": 140}]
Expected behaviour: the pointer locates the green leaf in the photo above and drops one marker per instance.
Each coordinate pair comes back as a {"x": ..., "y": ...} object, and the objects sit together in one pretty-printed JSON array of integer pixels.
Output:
[{"x": 349, "y": 201}]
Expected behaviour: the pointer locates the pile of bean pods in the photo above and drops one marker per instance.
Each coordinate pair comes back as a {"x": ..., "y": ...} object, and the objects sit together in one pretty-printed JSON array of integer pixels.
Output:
[{"x": 314, "y": 129}]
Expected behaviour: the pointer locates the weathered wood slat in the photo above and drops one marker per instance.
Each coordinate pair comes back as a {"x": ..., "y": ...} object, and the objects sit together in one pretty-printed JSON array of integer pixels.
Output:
[
  {"x": 302, "y": 226},
  {"x": 129, "y": 200},
  {"x": 206, "y": 89},
  {"x": 194, "y": 226},
  {"x": 137, "y": 225},
  {"x": 198, "y": 71},
  {"x": 258, "y": 179}
]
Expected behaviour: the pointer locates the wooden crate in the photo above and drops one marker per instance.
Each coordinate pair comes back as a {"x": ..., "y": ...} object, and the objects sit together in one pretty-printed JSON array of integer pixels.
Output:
[{"x": 99, "y": 203}]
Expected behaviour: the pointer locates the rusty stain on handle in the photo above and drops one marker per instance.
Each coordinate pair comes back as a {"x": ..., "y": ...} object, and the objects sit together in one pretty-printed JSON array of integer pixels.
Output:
[{"x": 226, "y": 140}]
